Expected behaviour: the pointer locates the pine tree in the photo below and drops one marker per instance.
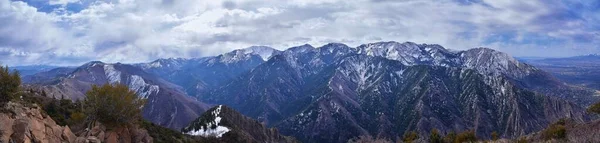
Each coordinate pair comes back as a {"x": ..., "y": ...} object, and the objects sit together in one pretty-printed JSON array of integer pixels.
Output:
[{"x": 9, "y": 84}]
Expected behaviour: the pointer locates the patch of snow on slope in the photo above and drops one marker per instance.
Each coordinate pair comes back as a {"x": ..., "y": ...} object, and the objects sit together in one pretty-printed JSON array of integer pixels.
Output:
[
  {"x": 113, "y": 75},
  {"x": 155, "y": 64},
  {"x": 143, "y": 89},
  {"x": 264, "y": 52},
  {"x": 218, "y": 131}
]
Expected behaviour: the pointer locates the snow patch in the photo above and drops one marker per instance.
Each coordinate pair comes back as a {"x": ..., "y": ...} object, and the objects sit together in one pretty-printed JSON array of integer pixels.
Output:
[
  {"x": 113, "y": 75},
  {"x": 218, "y": 131},
  {"x": 143, "y": 89},
  {"x": 264, "y": 52},
  {"x": 155, "y": 65}
]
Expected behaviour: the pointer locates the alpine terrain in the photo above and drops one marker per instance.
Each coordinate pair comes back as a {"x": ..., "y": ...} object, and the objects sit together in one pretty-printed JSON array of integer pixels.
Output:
[{"x": 335, "y": 93}]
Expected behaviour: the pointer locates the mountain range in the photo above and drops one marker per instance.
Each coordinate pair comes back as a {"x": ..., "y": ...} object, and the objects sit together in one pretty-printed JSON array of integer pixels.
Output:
[{"x": 334, "y": 93}]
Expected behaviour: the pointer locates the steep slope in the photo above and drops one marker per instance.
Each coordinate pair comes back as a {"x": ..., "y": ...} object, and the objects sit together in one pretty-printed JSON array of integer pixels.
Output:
[
  {"x": 334, "y": 88},
  {"x": 490, "y": 63},
  {"x": 378, "y": 97},
  {"x": 274, "y": 90},
  {"x": 495, "y": 64},
  {"x": 166, "y": 104},
  {"x": 385, "y": 89},
  {"x": 223, "y": 124}
]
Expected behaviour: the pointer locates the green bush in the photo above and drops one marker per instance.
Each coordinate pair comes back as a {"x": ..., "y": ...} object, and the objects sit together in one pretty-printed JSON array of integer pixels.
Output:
[
  {"x": 113, "y": 105},
  {"x": 368, "y": 139},
  {"x": 65, "y": 112},
  {"x": 555, "y": 131},
  {"x": 466, "y": 136},
  {"x": 495, "y": 136},
  {"x": 450, "y": 137},
  {"x": 595, "y": 108},
  {"x": 522, "y": 140},
  {"x": 434, "y": 137},
  {"x": 9, "y": 84},
  {"x": 410, "y": 137},
  {"x": 165, "y": 135}
]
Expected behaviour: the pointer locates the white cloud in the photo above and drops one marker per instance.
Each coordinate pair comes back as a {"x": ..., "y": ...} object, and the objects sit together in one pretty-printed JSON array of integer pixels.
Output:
[
  {"x": 138, "y": 31},
  {"x": 62, "y": 2}
]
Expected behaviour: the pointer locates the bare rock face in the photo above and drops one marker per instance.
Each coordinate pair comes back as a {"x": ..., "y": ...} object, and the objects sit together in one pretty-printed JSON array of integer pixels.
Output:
[{"x": 19, "y": 123}]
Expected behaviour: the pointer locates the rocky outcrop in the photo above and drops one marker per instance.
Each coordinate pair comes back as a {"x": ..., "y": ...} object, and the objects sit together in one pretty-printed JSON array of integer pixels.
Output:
[
  {"x": 28, "y": 123},
  {"x": 19, "y": 123}
]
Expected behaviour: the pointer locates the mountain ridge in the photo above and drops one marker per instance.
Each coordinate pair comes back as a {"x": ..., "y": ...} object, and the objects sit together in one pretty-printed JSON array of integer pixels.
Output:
[{"x": 166, "y": 106}]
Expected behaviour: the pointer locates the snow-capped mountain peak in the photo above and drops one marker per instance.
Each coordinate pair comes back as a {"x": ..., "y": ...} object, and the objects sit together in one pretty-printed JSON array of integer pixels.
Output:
[
  {"x": 300, "y": 49},
  {"x": 170, "y": 62},
  {"x": 489, "y": 61},
  {"x": 92, "y": 64},
  {"x": 408, "y": 53},
  {"x": 334, "y": 47},
  {"x": 263, "y": 51}
]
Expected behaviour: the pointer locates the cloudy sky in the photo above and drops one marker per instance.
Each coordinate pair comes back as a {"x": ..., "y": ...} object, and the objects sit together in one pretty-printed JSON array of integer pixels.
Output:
[{"x": 71, "y": 32}]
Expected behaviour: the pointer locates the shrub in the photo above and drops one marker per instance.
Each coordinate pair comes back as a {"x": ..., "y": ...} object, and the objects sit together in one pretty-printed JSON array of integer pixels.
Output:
[
  {"x": 410, "y": 137},
  {"x": 555, "y": 131},
  {"x": 77, "y": 117},
  {"x": 495, "y": 136},
  {"x": 368, "y": 139},
  {"x": 466, "y": 136},
  {"x": 65, "y": 112},
  {"x": 450, "y": 137},
  {"x": 165, "y": 135},
  {"x": 9, "y": 84},
  {"x": 522, "y": 140},
  {"x": 595, "y": 108},
  {"x": 434, "y": 137},
  {"x": 113, "y": 105}
]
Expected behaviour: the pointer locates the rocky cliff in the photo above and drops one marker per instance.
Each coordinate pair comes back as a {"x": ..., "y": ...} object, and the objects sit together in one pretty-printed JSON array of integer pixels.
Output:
[
  {"x": 29, "y": 123},
  {"x": 19, "y": 123}
]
